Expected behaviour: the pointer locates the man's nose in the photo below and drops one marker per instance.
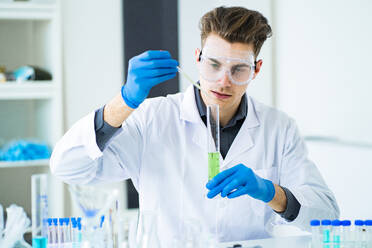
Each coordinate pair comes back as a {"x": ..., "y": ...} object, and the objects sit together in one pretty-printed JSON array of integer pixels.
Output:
[{"x": 225, "y": 80}]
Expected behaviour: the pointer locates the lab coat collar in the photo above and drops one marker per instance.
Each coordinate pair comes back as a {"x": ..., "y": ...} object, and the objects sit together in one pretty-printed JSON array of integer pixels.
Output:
[
  {"x": 189, "y": 110},
  {"x": 242, "y": 142}
]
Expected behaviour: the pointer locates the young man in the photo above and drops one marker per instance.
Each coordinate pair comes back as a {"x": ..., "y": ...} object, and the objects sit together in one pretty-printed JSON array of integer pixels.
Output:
[{"x": 160, "y": 143}]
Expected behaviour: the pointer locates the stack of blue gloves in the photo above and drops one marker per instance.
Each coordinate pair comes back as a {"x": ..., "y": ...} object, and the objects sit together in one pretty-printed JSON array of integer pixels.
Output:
[{"x": 24, "y": 150}]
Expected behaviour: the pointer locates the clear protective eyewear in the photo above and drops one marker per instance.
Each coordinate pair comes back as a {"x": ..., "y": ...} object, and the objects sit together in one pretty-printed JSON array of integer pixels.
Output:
[{"x": 213, "y": 68}]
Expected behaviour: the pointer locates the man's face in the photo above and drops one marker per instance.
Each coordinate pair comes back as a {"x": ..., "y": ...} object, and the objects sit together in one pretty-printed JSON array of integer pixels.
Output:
[{"x": 222, "y": 90}]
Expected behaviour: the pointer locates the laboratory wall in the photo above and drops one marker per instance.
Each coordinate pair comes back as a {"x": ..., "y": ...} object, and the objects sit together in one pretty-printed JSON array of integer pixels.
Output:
[
  {"x": 93, "y": 55},
  {"x": 322, "y": 63},
  {"x": 93, "y": 60}
]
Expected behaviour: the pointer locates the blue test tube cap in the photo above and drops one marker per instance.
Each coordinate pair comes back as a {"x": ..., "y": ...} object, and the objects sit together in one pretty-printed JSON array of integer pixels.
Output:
[
  {"x": 368, "y": 222},
  {"x": 79, "y": 219},
  {"x": 61, "y": 220},
  {"x": 79, "y": 226},
  {"x": 50, "y": 221},
  {"x": 346, "y": 223},
  {"x": 336, "y": 223},
  {"x": 55, "y": 221},
  {"x": 358, "y": 222},
  {"x": 315, "y": 223},
  {"x": 326, "y": 222},
  {"x": 73, "y": 220},
  {"x": 74, "y": 224},
  {"x": 67, "y": 221}
]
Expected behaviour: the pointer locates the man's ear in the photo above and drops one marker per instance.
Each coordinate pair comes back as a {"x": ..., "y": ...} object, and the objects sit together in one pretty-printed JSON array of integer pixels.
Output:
[
  {"x": 197, "y": 55},
  {"x": 257, "y": 69}
]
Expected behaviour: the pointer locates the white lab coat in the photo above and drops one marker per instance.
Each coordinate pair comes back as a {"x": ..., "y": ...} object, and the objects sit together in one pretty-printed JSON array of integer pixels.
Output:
[{"x": 162, "y": 148}]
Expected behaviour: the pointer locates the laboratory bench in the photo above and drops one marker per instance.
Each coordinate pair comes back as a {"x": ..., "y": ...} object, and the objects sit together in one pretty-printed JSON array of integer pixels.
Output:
[{"x": 279, "y": 242}]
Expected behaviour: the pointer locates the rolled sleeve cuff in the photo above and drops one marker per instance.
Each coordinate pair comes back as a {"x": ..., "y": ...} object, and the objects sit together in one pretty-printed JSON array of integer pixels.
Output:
[
  {"x": 104, "y": 132},
  {"x": 293, "y": 206}
]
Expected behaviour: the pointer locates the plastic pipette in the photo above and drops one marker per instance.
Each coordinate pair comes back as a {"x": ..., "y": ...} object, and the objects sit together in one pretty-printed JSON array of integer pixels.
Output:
[{"x": 189, "y": 79}]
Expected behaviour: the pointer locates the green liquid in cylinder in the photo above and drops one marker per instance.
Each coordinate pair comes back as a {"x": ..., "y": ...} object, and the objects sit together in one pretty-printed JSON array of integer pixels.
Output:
[{"x": 213, "y": 164}]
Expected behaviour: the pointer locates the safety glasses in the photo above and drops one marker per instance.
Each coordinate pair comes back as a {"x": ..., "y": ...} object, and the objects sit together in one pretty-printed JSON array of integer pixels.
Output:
[{"x": 214, "y": 68}]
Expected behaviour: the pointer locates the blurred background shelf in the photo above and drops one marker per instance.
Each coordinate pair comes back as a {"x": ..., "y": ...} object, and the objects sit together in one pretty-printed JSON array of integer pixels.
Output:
[
  {"x": 30, "y": 35},
  {"x": 27, "y": 11},
  {"x": 27, "y": 90},
  {"x": 30, "y": 163}
]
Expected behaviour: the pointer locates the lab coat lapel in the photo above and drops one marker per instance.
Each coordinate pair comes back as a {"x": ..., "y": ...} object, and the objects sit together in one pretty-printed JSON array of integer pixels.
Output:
[
  {"x": 189, "y": 113},
  {"x": 243, "y": 141}
]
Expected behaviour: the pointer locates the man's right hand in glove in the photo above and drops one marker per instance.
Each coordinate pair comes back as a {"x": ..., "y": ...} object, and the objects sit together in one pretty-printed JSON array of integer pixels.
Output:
[{"x": 145, "y": 71}]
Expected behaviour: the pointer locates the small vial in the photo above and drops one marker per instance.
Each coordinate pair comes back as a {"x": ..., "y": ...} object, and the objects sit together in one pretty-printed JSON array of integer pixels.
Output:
[
  {"x": 368, "y": 226},
  {"x": 55, "y": 231},
  {"x": 359, "y": 233},
  {"x": 326, "y": 231},
  {"x": 67, "y": 230},
  {"x": 336, "y": 233},
  {"x": 61, "y": 233},
  {"x": 50, "y": 231},
  {"x": 316, "y": 234},
  {"x": 346, "y": 239},
  {"x": 79, "y": 233},
  {"x": 74, "y": 232}
]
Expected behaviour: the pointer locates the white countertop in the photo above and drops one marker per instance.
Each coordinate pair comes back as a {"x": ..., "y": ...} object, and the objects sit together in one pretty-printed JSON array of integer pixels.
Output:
[{"x": 280, "y": 242}]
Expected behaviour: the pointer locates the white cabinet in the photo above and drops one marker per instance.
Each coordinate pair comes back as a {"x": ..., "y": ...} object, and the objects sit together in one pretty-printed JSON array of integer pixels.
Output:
[{"x": 30, "y": 34}]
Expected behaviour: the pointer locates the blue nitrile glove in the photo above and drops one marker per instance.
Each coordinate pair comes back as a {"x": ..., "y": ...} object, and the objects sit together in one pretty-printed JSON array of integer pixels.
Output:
[
  {"x": 240, "y": 180},
  {"x": 145, "y": 71}
]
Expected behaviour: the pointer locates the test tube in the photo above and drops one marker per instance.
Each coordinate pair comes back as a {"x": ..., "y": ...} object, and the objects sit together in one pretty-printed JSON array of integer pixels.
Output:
[
  {"x": 213, "y": 137},
  {"x": 39, "y": 205},
  {"x": 79, "y": 232},
  {"x": 326, "y": 230},
  {"x": 359, "y": 232},
  {"x": 315, "y": 231},
  {"x": 336, "y": 233},
  {"x": 67, "y": 231},
  {"x": 346, "y": 239},
  {"x": 368, "y": 224},
  {"x": 50, "y": 231},
  {"x": 55, "y": 231}
]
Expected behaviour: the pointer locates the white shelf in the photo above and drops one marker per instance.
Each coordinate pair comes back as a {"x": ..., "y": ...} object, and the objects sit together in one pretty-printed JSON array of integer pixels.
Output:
[
  {"x": 31, "y": 108},
  {"x": 29, "y": 163},
  {"x": 27, "y": 90},
  {"x": 27, "y": 11}
]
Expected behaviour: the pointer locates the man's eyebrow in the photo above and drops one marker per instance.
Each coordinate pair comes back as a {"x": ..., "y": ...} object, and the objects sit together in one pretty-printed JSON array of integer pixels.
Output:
[
  {"x": 215, "y": 60},
  {"x": 240, "y": 65}
]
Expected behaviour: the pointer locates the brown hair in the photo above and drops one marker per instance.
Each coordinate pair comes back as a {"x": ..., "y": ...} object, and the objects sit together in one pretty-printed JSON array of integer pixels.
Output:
[{"x": 236, "y": 24}]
